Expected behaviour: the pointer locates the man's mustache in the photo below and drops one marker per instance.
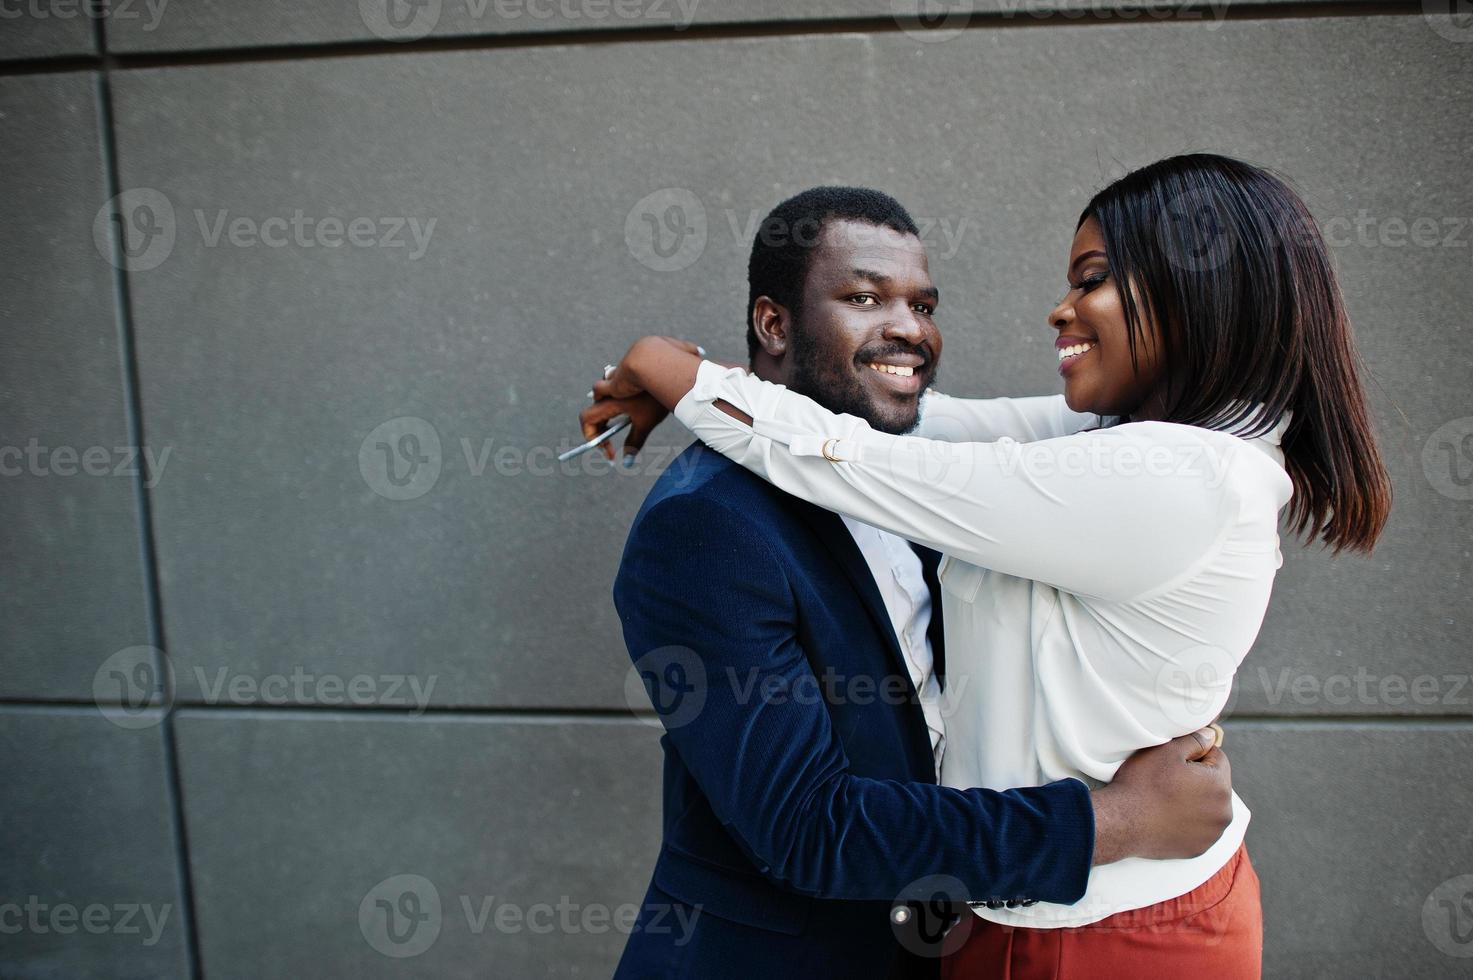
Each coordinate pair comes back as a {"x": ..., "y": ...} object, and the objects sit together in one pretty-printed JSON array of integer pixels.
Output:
[{"x": 890, "y": 350}]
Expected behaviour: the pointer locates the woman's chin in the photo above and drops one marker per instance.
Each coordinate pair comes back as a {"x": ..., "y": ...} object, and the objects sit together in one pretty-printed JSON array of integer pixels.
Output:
[{"x": 1077, "y": 399}]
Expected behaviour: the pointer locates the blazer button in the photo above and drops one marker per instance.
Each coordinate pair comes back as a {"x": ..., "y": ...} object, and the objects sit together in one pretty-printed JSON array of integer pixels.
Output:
[
  {"x": 900, "y": 915},
  {"x": 1029, "y": 901},
  {"x": 995, "y": 903},
  {"x": 1014, "y": 903}
]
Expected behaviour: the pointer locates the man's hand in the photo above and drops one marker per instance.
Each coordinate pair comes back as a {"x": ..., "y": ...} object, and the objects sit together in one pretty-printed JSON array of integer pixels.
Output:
[{"x": 1171, "y": 801}]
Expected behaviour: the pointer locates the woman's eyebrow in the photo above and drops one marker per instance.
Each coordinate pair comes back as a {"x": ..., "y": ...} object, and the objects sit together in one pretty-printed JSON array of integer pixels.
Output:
[{"x": 1086, "y": 255}]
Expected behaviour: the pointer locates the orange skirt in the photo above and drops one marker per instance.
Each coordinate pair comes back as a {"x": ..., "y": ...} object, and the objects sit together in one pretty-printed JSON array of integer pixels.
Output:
[{"x": 1214, "y": 930}]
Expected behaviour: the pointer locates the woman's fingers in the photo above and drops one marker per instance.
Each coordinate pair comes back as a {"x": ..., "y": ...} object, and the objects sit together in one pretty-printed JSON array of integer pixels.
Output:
[
  {"x": 644, "y": 415},
  {"x": 634, "y": 441},
  {"x": 594, "y": 419},
  {"x": 617, "y": 386}
]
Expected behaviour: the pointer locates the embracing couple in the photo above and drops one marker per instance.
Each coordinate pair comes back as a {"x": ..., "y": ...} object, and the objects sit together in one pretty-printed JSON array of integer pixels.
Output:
[{"x": 1018, "y": 618}]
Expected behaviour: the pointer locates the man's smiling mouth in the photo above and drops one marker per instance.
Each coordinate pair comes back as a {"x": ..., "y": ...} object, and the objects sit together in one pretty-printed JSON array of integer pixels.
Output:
[{"x": 901, "y": 373}]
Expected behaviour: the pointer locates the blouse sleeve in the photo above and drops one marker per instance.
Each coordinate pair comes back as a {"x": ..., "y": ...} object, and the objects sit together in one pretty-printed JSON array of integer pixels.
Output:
[
  {"x": 952, "y": 419},
  {"x": 1114, "y": 513}
]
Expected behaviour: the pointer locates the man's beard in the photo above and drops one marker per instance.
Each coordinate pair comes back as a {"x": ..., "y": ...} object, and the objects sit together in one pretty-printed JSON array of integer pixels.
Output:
[{"x": 837, "y": 388}]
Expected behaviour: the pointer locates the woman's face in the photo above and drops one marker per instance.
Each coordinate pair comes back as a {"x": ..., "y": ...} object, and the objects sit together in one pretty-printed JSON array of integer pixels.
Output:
[{"x": 1093, "y": 343}]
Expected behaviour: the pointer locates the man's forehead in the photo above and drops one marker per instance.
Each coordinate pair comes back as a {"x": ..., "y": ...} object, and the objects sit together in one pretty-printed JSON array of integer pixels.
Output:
[{"x": 864, "y": 245}]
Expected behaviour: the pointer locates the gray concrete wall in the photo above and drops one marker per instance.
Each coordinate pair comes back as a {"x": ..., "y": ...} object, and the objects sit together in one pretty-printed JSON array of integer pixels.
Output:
[{"x": 399, "y": 677}]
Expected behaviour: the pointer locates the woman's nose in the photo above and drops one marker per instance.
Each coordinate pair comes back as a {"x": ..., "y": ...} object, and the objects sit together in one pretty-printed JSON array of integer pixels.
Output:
[{"x": 1062, "y": 315}]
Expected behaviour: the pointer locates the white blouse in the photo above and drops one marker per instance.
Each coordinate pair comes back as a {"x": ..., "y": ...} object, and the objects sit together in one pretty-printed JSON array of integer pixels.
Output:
[{"x": 1099, "y": 587}]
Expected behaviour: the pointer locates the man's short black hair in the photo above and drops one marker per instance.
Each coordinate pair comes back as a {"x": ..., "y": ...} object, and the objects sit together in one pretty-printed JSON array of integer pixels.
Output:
[{"x": 786, "y": 239}]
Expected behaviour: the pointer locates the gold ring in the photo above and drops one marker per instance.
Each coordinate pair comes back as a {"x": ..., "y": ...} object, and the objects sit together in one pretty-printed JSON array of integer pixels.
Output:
[
  {"x": 825, "y": 450},
  {"x": 1218, "y": 735}
]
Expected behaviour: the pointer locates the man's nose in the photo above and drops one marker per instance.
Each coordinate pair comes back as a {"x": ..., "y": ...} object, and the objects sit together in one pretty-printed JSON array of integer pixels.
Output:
[{"x": 906, "y": 325}]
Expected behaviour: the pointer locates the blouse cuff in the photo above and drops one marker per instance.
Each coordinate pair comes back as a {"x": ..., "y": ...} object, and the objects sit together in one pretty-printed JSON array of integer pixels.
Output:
[
  {"x": 710, "y": 385},
  {"x": 805, "y": 428}
]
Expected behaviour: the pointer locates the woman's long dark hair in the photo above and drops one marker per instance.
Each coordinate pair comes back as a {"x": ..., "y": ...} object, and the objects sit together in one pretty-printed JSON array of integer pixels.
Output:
[{"x": 1226, "y": 260}]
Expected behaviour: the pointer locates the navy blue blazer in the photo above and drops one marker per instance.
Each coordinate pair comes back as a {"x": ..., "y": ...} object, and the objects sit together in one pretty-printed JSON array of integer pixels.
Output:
[{"x": 800, "y": 798}]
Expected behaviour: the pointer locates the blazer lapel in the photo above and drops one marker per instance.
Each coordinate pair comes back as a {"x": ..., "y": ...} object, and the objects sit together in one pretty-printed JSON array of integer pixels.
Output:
[
  {"x": 840, "y": 543},
  {"x": 830, "y": 529}
]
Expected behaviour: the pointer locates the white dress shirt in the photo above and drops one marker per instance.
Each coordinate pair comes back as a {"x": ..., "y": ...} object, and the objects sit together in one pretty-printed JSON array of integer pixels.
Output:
[
  {"x": 898, "y": 571},
  {"x": 1099, "y": 587}
]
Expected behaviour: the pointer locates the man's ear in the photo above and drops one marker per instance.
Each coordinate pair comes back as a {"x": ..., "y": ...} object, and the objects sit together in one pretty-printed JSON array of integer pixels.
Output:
[{"x": 772, "y": 324}]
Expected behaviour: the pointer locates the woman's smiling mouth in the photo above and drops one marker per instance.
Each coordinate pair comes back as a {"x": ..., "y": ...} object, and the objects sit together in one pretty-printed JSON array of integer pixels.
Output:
[{"x": 1070, "y": 350}]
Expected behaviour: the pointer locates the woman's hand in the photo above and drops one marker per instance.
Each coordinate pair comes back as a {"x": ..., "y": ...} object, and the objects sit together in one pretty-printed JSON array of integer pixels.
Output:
[
  {"x": 626, "y": 381},
  {"x": 622, "y": 392},
  {"x": 644, "y": 414}
]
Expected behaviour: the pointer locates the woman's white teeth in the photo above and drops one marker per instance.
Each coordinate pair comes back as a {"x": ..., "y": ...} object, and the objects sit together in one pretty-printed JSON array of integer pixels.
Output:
[
  {"x": 1074, "y": 350},
  {"x": 896, "y": 369}
]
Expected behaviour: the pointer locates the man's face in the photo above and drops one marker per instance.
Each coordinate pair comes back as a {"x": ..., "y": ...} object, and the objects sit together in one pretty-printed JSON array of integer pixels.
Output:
[{"x": 865, "y": 342}]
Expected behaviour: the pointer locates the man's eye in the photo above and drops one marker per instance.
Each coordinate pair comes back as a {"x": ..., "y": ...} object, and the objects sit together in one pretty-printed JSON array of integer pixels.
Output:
[
  {"x": 865, "y": 299},
  {"x": 925, "y": 309}
]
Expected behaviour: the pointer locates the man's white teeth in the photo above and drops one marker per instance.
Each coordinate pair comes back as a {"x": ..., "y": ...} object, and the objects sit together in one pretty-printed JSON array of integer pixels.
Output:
[
  {"x": 1074, "y": 350},
  {"x": 896, "y": 369}
]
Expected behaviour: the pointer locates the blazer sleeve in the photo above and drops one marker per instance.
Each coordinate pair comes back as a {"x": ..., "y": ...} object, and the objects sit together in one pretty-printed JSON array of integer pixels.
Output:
[{"x": 700, "y": 578}]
